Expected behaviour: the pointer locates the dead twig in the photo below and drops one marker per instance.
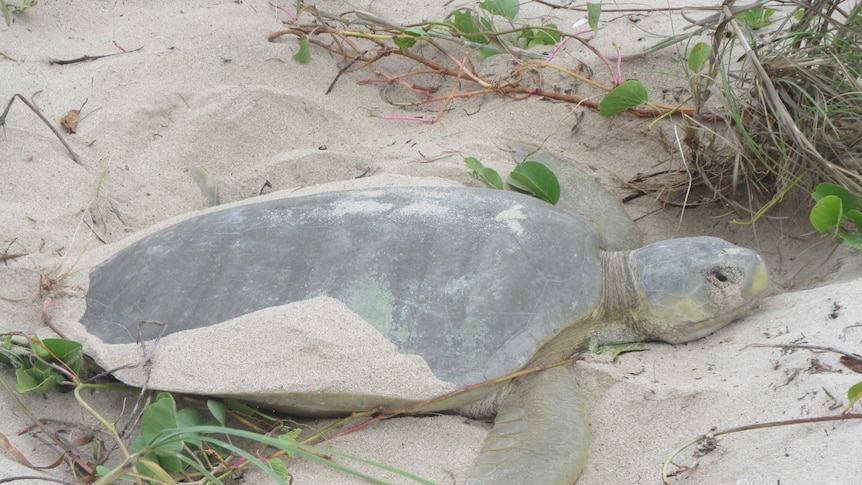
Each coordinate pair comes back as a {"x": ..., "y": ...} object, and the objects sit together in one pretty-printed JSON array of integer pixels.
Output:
[
  {"x": 340, "y": 42},
  {"x": 849, "y": 355},
  {"x": 34, "y": 109},
  {"x": 63, "y": 62},
  {"x": 772, "y": 424},
  {"x": 6, "y": 256}
]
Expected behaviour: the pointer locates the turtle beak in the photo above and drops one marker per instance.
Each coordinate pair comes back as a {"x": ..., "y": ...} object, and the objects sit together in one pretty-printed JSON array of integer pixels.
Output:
[{"x": 756, "y": 281}]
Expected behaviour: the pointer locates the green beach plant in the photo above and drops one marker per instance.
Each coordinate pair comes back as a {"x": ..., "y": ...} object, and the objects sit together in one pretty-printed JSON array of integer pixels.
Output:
[
  {"x": 837, "y": 212},
  {"x": 9, "y": 9},
  {"x": 492, "y": 28},
  {"x": 792, "y": 99},
  {"x": 529, "y": 177},
  {"x": 175, "y": 445}
]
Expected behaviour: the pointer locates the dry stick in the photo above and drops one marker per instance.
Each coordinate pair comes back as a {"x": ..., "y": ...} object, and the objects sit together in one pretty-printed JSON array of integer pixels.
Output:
[
  {"x": 37, "y": 478},
  {"x": 44, "y": 120},
  {"x": 849, "y": 355},
  {"x": 66, "y": 450},
  {"x": 343, "y": 70},
  {"x": 771, "y": 424},
  {"x": 748, "y": 427},
  {"x": 6, "y": 256},
  {"x": 86, "y": 58},
  {"x": 452, "y": 92},
  {"x": 657, "y": 110},
  {"x": 385, "y": 413}
]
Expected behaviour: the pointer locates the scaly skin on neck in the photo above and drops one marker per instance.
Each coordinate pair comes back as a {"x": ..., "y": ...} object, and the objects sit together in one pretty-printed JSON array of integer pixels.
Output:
[
  {"x": 620, "y": 311},
  {"x": 614, "y": 319}
]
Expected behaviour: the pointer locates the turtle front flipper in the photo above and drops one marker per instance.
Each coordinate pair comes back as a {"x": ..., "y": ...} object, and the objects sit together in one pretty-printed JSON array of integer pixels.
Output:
[{"x": 540, "y": 434}]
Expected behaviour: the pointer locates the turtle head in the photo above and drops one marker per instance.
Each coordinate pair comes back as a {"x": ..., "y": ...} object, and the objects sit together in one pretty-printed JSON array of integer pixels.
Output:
[{"x": 689, "y": 287}]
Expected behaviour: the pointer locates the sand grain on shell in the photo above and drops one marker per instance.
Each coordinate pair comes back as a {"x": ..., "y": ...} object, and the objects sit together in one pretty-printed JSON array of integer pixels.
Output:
[{"x": 316, "y": 347}]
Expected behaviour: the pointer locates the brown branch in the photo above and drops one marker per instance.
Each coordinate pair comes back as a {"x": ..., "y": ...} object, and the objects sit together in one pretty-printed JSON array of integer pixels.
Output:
[
  {"x": 34, "y": 109},
  {"x": 382, "y": 412},
  {"x": 810, "y": 347},
  {"x": 85, "y": 58},
  {"x": 6, "y": 256},
  {"x": 511, "y": 89}
]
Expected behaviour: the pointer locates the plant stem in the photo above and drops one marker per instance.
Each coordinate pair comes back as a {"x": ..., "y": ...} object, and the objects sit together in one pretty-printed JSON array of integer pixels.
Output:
[{"x": 107, "y": 424}]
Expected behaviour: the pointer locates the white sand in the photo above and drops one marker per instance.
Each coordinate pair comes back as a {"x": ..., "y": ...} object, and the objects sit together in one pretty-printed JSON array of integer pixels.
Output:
[{"x": 208, "y": 91}]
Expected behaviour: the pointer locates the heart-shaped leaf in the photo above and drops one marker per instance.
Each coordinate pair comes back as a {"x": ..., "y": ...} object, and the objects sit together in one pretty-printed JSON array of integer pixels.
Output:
[
  {"x": 505, "y": 8},
  {"x": 827, "y": 213},
  {"x": 848, "y": 202},
  {"x": 594, "y": 10},
  {"x": 854, "y": 393},
  {"x": 698, "y": 55},
  {"x": 537, "y": 179},
  {"x": 489, "y": 176},
  {"x": 627, "y": 95}
]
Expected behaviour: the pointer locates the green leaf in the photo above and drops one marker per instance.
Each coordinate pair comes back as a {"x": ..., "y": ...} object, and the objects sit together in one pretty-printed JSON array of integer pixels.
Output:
[
  {"x": 488, "y": 176},
  {"x": 408, "y": 38},
  {"x": 151, "y": 466},
  {"x": 6, "y": 15},
  {"x": 69, "y": 352},
  {"x": 160, "y": 415},
  {"x": 756, "y": 18},
  {"x": 488, "y": 51},
  {"x": 549, "y": 34},
  {"x": 537, "y": 179},
  {"x": 627, "y": 95},
  {"x": 102, "y": 470},
  {"x": 218, "y": 410},
  {"x": 170, "y": 462},
  {"x": 853, "y": 239},
  {"x": 848, "y": 202},
  {"x": 505, "y": 8},
  {"x": 291, "y": 436},
  {"x": 594, "y": 346},
  {"x": 35, "y": 380},
  {"x": 404, "y": 43},
  {"x": 186, "y": 418},
  {"x": 303, "y": 55},
  {"x": 239, "y": 407},
  {"x": 541, "y": 36},
  {"x": 856, "y": 217},
  {"x": 208, "y": 185},
  {"x": 854, "y": 394},
  {"x": 467, "y": 26},
  {"x": 594, "y": 10},
  {"x": 698, "y": 55},
  {"x": 620, "y": 349},
  {"x": 280, "y": 469},
  {"x": 474, "y": 164},
  {"x": 827, "y": 214}
]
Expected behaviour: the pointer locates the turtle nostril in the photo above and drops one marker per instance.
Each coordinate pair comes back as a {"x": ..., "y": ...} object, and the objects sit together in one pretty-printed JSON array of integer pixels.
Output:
[{"x": 718, "y": 274}]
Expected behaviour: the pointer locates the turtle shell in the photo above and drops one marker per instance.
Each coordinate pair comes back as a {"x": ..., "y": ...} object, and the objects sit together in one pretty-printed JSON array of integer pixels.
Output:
[{"x": 474, "y": 281}]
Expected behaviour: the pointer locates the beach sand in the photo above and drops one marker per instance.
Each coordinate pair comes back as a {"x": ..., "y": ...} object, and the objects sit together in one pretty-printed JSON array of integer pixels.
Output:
[{"x": 207, "y": 91}]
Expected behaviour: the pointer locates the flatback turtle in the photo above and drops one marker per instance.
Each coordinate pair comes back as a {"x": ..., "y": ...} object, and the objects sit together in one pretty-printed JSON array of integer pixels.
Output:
[{"x": 479, "y": 283}]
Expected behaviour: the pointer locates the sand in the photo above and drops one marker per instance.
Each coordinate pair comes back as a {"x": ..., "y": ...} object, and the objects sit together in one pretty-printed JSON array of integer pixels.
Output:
[{"x": 208, "y": 92}]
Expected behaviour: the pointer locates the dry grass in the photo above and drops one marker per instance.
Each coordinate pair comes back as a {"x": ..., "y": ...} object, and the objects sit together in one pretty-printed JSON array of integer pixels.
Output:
[{"x": 794, "y": 105}]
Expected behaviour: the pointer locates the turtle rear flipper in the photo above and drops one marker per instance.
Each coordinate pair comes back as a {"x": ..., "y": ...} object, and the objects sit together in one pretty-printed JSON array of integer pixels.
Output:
[{"x": 540, "y": 434}]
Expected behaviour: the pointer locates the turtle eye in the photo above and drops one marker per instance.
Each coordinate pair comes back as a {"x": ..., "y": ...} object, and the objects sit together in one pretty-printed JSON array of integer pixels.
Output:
[
  {"x": 718, "y": 274},
  {"x": 723, "y": 276}
]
